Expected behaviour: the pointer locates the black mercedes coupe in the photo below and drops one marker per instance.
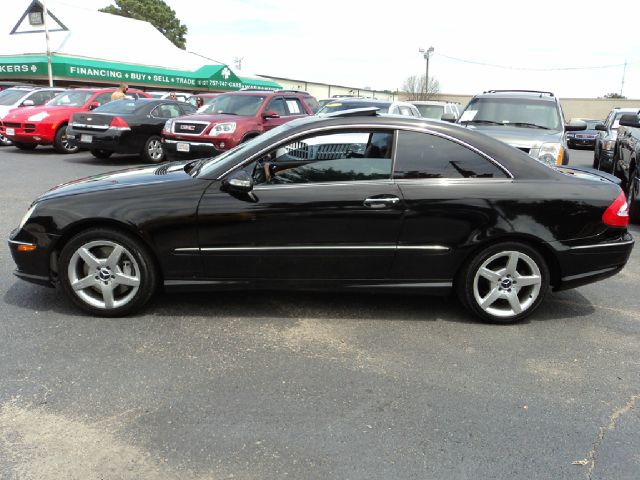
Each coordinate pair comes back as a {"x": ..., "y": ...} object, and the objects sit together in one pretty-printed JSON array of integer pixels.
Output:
[
  {"x": 354, "y": 200},
  {"x": 131, "y": 126}
]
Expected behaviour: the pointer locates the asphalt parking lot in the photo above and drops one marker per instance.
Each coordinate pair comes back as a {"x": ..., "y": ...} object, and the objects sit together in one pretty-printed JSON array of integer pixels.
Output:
[{"x": 310, "y": 386}]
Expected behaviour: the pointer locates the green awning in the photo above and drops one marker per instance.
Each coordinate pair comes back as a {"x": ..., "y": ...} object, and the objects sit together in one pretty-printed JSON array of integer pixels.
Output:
[{"x": 208, "y": 77}]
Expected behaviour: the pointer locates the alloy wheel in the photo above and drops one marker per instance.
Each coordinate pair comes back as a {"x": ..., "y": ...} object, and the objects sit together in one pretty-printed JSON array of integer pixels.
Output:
[
  {"x": 154, "y": 150},
  {"x": 104, "y": 274},
  {"x": 507, "y": 283}
]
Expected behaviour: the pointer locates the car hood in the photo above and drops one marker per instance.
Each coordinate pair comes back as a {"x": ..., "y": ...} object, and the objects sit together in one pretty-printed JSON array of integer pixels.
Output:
[
  {"x": 23, "y": 114},
  {"x": 219, "y": 118},
  {"x": 520, "y": 137},
  {"x": 167, "y": 172}
]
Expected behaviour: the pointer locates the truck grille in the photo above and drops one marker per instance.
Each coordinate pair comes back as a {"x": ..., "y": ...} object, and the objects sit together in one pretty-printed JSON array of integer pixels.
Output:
[{"x": 189, "y": 128}]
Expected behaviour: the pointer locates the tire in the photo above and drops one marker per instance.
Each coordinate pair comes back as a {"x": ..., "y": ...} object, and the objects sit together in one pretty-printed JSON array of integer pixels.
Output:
[
  {"x": 633, "y": 198},
  {"x": 102, "y": 154},
  {"x": 249, "y": 137},
  {"x": 565, "y": 157},
  {"x": 153, "y": 151},
  {"x": 596, "y": 160},
  {"x": 60, "y": 142},
  {"x": 510, "y": 291},
  {"x": 106, "y": 286},
  {"x": 4, "y": 141},
  {"x": 25, "y": 146}
]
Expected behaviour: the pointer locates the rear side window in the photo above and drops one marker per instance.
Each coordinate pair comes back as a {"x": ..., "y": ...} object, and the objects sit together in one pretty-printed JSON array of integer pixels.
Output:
[
  {"x": 421, "y": 155},
  {"x": 312, "y": 103},
  {"x": 294, "y": 106}
]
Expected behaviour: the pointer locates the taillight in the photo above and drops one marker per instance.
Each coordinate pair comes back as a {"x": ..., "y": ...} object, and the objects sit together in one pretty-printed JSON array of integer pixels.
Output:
[
  {"x": 119, "y": 124},
  {"x": 617, "y": 214}
]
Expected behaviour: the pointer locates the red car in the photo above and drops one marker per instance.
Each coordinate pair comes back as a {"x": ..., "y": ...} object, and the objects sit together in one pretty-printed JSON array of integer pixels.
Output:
[
  {"x": 233, "y": 118},
  {"x": 46, "y": 125}
]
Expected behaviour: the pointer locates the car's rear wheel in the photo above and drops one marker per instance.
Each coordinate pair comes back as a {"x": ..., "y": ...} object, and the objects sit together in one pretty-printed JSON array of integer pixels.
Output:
[
  {"x": 102, "y": 154},
  {"x": 61, "y": 141},
  {"x": 633, "y": 197},
  {"x": 153, "y": 151},
  {"x": 25, "y": 146},
  {"x": 107, "y": 273},
  {"x": 504, "y": 283}
]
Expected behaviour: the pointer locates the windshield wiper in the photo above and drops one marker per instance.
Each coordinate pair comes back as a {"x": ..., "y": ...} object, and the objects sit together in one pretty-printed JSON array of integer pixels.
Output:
[
  {"x": 530, "y": 125},
  {"x": 485, "y": 122},
  {"x": 193, "y": 164}
]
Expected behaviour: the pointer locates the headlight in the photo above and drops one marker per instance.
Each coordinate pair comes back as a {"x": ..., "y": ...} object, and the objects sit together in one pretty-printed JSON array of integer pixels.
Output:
[
  {"x": 38, "y": 117},
  {"x": 609, "y": 144},
  {"x": 168, "y": 125},
  {"x": 228, "y": 127},
  {"x": 26, "y": 216},
  {"x": 551, "y": 153}
]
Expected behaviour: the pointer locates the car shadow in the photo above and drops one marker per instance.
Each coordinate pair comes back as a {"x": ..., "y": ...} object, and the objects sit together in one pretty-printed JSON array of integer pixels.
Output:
[{"x": 297, "y": 305}]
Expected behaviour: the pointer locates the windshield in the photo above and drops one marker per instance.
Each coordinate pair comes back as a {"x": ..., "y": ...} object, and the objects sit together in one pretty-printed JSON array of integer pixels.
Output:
[
  {"x": 72, "y": 98},
  {"x": 233, "y": 156},
  {"x": 11, "y": 96},
  {"x": 339, "y": 106},
  {"x": 121, "y": 106},
  {"x": 246, "y": 105},
  {"x": 518, "y": 112},
  {"x": 431, "y": 111}
]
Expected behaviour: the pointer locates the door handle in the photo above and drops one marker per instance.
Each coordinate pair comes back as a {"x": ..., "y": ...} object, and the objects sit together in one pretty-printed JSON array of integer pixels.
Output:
[{"x": 381, "y": 202}]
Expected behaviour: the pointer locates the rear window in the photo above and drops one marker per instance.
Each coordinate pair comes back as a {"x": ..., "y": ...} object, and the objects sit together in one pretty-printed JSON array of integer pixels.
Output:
[
  {"x": 121, "y": 106},
  {"x": 431, "y": 111},
  {"x": 312, "y": 103}
]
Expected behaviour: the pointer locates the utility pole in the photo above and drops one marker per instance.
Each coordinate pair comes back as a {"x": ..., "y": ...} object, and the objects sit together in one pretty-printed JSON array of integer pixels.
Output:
[
  {"x": 46, "y": 35},
  {"x": 624, "y": 72},
  {"x": 427, "y": 53}
]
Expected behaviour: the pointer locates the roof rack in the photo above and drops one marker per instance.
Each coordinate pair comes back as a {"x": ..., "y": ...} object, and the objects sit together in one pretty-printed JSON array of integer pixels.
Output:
[
  {"x": 254, "y": 89},
  {"x": 293, "y": 91},
  {"x": 354, "y": 112},
  {"x": 523, "y": 91}
]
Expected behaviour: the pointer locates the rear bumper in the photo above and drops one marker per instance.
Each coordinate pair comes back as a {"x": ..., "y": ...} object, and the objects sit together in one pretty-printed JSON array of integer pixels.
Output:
[
  {"x": 112, "y": 141},
  {"x": 588, "y": 263}
]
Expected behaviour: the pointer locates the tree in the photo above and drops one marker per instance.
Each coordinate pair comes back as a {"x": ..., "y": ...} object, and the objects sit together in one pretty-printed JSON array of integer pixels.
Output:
[
  {"x": 614, "y": 95},
  {"x": 413, "y": 87},
  {"x": 156, "y": 12}
]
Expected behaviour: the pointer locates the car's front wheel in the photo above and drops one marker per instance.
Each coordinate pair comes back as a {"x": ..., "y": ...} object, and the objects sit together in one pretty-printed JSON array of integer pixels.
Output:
[
  {"x": 596, "y": 159},
  {"x": 25, "y": 146},
  {"x": 102, "y": 154},
  {"x": 504, "y": 283},
  {"x": 106, "y": 272},
  {"x": 61, "y": 141},
  {"x": 4, "y": 141}
]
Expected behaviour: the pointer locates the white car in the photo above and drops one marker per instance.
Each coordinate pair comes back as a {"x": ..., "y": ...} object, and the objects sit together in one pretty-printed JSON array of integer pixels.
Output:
[
  {"x": 436, "y": 109},
  {"x": 19, "y": 97},
  {"x": 384, "y": 106}
]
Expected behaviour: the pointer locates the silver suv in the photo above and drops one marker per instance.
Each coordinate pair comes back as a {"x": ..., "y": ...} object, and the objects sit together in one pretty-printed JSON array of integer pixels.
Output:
[{"x": 529, "y": 120}]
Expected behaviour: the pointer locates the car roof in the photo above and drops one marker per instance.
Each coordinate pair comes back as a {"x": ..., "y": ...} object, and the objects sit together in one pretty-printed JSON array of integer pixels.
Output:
[
  {"x": 363, "y": 100},
  {"x": 548, "y": 96},
  {"x": 430, "y": 102}
]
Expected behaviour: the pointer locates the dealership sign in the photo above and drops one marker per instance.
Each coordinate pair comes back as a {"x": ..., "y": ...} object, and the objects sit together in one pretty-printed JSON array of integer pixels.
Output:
[{"x": 215, "y": 77}]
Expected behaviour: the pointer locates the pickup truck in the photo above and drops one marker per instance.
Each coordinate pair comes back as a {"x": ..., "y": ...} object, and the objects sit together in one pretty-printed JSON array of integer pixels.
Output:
[{"x": 626, "y": 160}]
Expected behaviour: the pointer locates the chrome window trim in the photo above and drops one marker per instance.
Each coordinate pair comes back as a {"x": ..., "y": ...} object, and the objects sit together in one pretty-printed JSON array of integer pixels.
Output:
[
  {"x": 612, "y": 244},
  {"x": 381, "y": 126},
  {"x": 89, "y": 127},
  {"x": 312, "y": 247}
]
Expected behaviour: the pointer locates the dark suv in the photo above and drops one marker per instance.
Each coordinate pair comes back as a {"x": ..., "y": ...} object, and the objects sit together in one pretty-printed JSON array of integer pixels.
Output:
[
  {"x": 529, "y": 120},
  {"x": 233, "y": 118}
]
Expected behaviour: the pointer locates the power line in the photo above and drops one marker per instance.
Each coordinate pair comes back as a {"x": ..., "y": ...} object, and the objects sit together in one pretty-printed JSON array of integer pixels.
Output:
[{"x": 530, "y": 69}]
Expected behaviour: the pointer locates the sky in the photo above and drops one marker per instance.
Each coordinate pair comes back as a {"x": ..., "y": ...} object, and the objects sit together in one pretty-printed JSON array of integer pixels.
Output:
[{"x": 478, "y": 45}]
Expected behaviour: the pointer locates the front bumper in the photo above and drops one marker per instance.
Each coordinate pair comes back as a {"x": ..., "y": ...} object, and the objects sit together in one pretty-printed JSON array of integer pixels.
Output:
[
  {"x": 30, "y": 132},
  {"x": 33, "y": 266},
  {"x": 186, "y": 148}
]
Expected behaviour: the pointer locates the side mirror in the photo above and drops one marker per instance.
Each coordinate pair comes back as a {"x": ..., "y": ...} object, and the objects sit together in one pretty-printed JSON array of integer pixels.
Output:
[
  {"x": 28, "y": 103},
  {"x": 601, "y": 127},
  {"x": 270, "y": 114},
  {"x": 238, "y": 182},
  {"x": 629, "y": 121},
  {"x": 93, "y": 105},
  {"x": 449, "y": 117},
  {"x": 575, "y": 126}
]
